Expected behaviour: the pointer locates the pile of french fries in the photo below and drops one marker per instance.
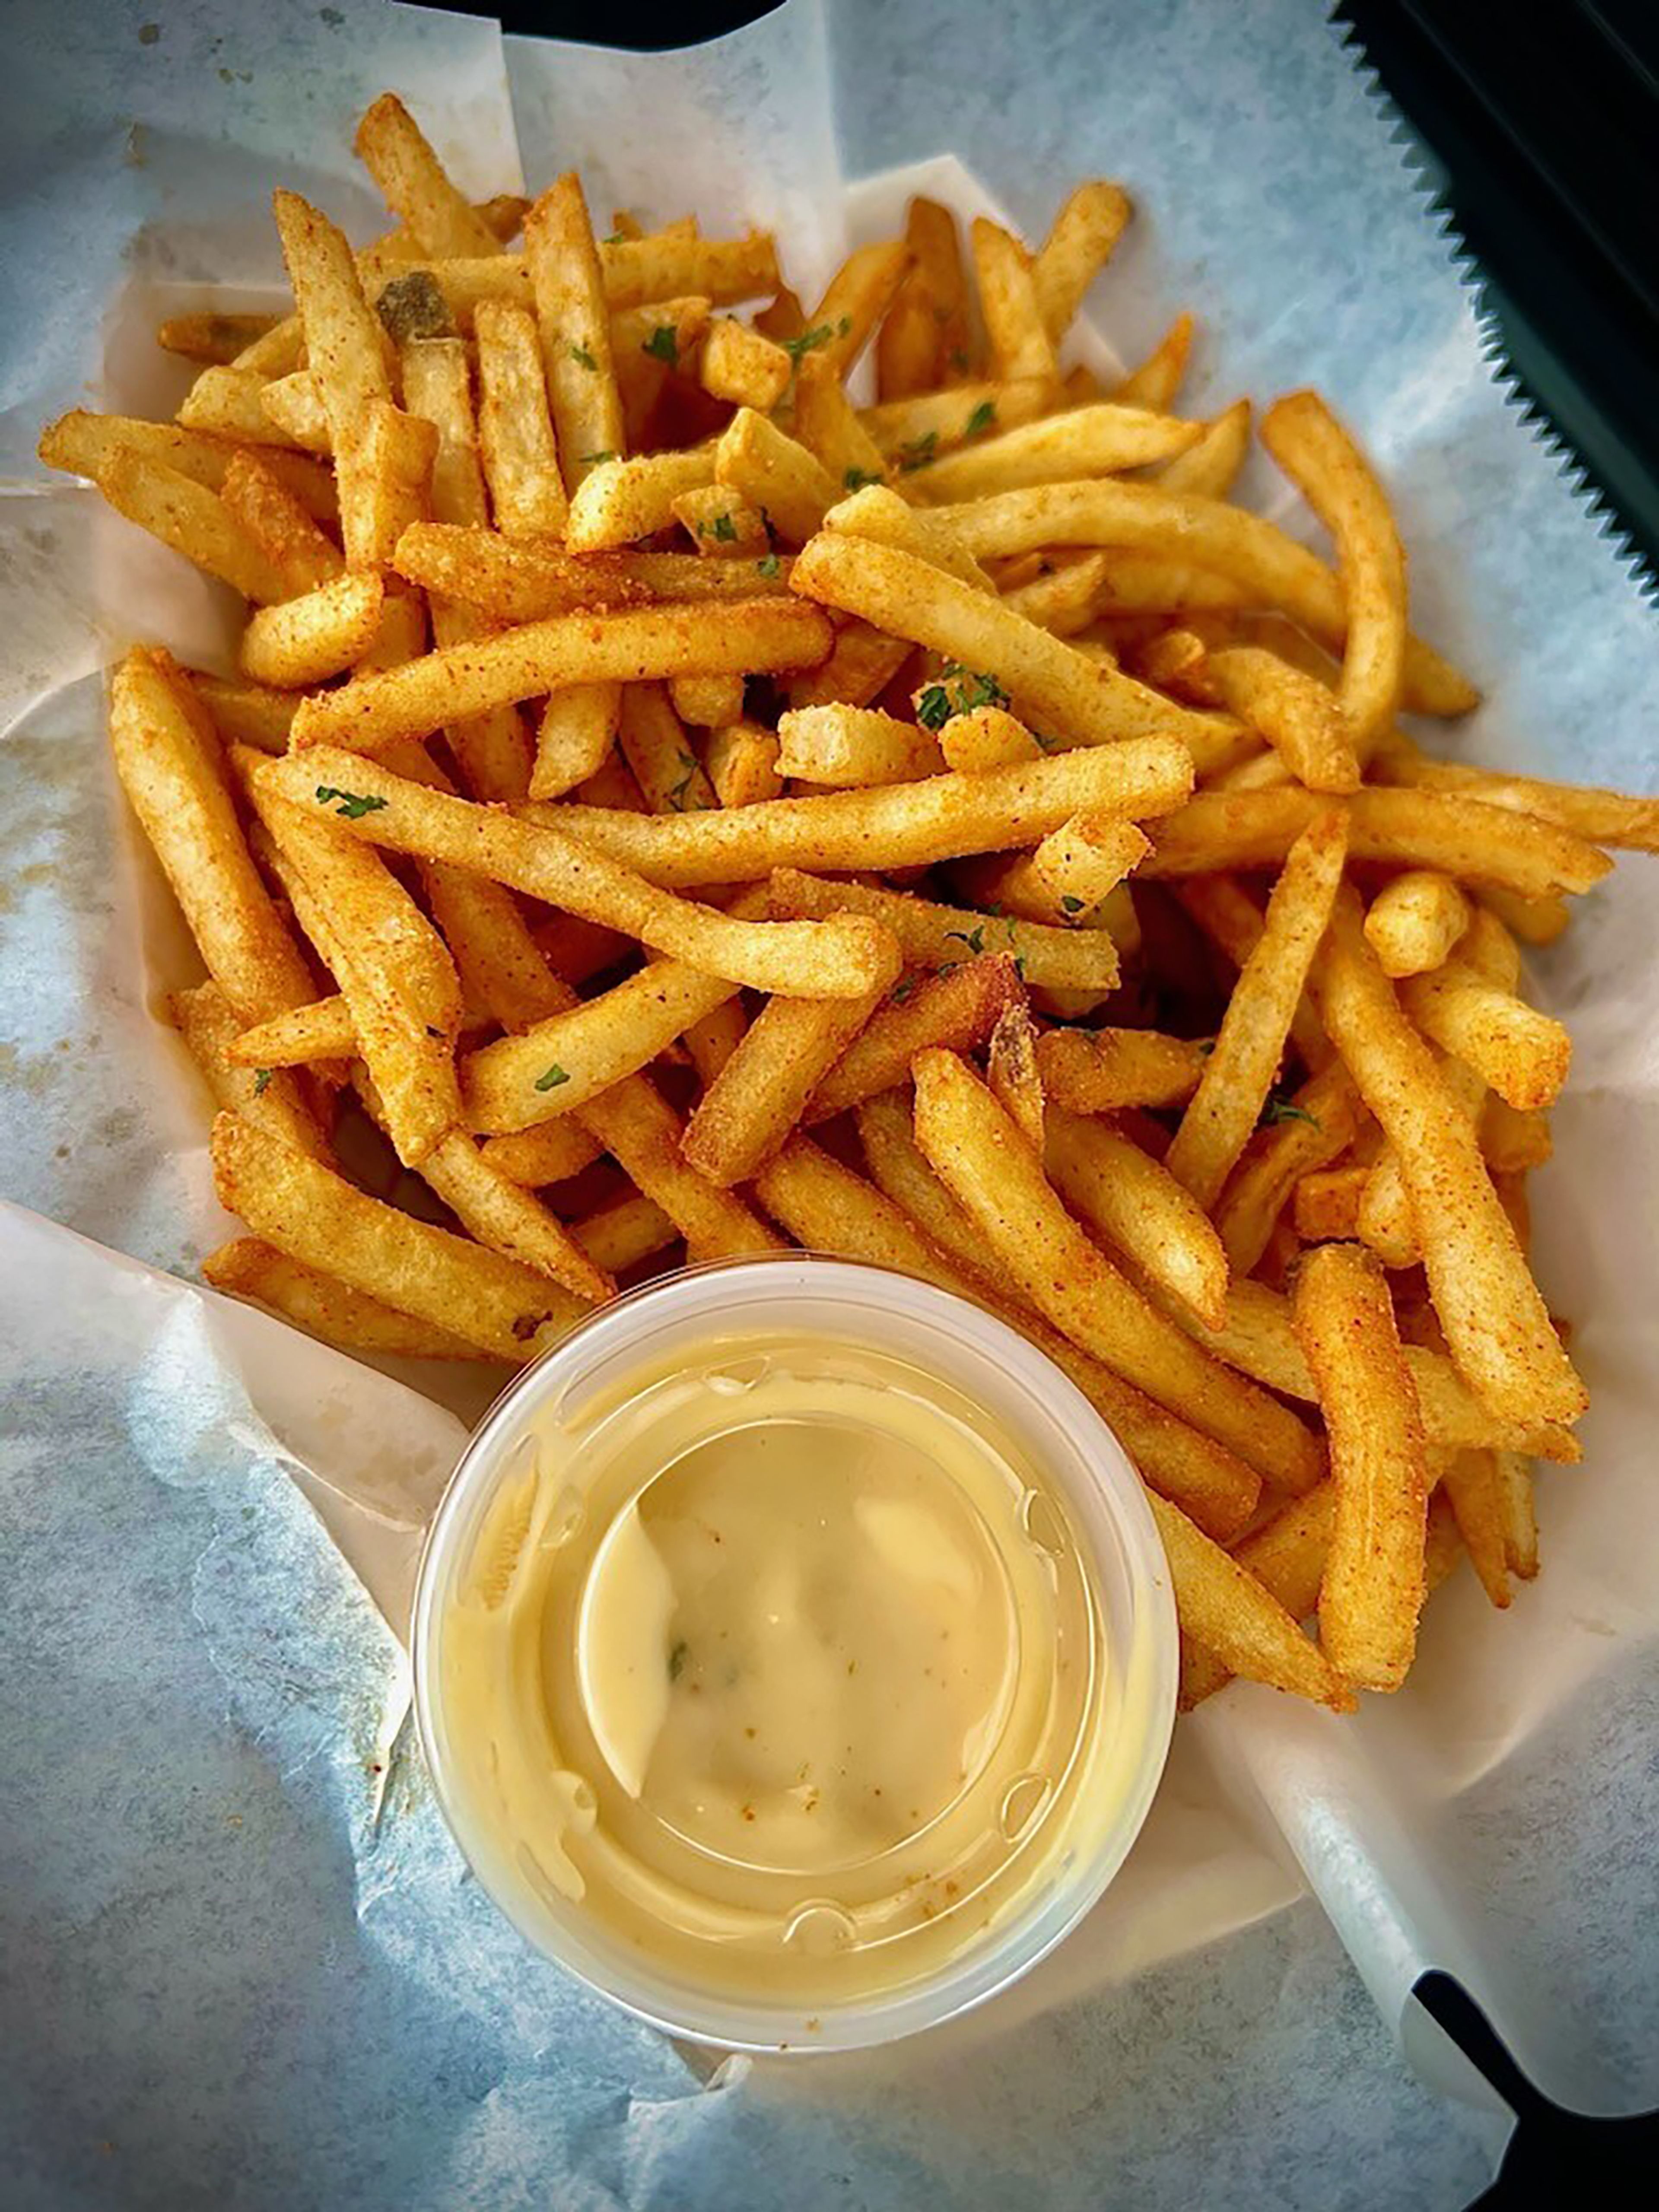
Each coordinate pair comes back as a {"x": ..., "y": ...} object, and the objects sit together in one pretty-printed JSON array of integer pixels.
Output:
[{"x": 666, "y": 806}]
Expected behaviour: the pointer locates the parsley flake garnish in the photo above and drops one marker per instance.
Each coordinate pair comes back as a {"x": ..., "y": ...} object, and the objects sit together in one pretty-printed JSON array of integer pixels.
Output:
[
  {"x": 973, "y": 938},
  {"x": 581, "y": 357},
  {"x": 677, "y": 1659},
  {"x": 917, "y": 452},
  {"x": 901, "y": 990},
  {"x": 353, "y": 805},
  {"x": 721, "y": 528},
  {"x": 1280, "y": 1109},
  {"x": 982, "y": 418},
  {"x": 1070, "y": 903},
  {"x": 615, "y": 238},
  {"x": 933, "y": 708},
  {"x": 679, "y": 795},
  {"x": 855, "y": 479},
  {"x": 959, "y": 358},
  {"x": 262, "y": 1080},
  {"x": 664, "y": 345},
  {"x": 551, "y": 1077},
  {"x": 593, "y": 460},
  {"x": 767, "y": 566},
  {"x": 819, "y": 335}
]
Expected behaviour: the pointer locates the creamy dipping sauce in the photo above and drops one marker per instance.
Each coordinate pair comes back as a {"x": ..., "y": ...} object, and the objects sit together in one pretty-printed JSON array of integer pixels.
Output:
[{"x": 783, "y": 1665}]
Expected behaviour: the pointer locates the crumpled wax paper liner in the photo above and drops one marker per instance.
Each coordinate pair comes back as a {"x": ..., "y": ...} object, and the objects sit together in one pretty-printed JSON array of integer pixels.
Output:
[{"x": 255, "y": 1969}]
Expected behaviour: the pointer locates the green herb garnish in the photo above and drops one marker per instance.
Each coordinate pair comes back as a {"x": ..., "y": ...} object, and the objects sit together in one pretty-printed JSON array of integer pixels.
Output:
[
  {"x": 767, "y": 566},
  {"x": 819, "y": 335},
  {"x": 664, "y": 345},
  {"x": 262, "y": 1080},
  {"x": 934, "y": 708},
  {"x": 901, "y": 990},
  {"x": 982, "y": 418},
  {"x": 593, "y": 460},
  {"x": 1280, "y": 1109},
  {"x": 677, "y": 1659},
  {"x": 855, "y": 479},
  {"x": 551, "y": 1077},
  {"x": 721, "y": 528},
  {"x": 353, "y": 805},
  {"x": 1069, "y": 903},
  {"x": 917, "y": 452},
  {"x": 973, "y": 938},
  {"x": 678, "y": 796}
]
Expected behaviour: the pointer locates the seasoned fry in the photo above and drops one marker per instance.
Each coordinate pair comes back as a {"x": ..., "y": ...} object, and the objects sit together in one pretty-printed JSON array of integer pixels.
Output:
[
  {"x": 984, "y": 737},
  {"x": 192, "y": 519},
  {"x": 1495, "y": 1321},
  {"x": 827, "y": 424},
  {"x": 502, "y": 1214},
  {"x": 208, "y": 1024},
  {"x": 280, "y": 525},
  {"x": 1103, "y": 1070},
  {"x": 571, "y": 309},
  {"x": 722, "y": 525},
  {"x": 1136, "y": 1204},
  {"x": 83, "y": 444},
  {"x": 1084, "y": 441},
  {"x": 916, "y": 432},
  {"x": 1604, "y": 817},
  {"x": 321, "y": 633},
  {"x": 957, "y": 1008},
  {"x": 738, "y": 364},
  {"x": 413, "y": 183},
  {"x": 876, "y": 511},
  {"x": 1323, "y": 460},
  {"x": 935, "y": 936},
  {"x": 516, "y": 437},
  {"x": 638, "y": 1126},
  {"x": 1471, "y": 1482},
  {"x": 244, "y": 713},
  {"x": 326, "y": 1307},
  {"x": 1414, "y": 921},
  {"x": 1020, "y": 342},
  {"x": 862, "y": 663},
  {"x": 851, "y": 746},
  {"x": 1296, "y": 713},
  {"x": 1087, "y": 858},
  {"x": 977, "y": 1153},
  {"x": 1210, "y": 466},
  {"x": 1078, "y": 247},
  {"x": 579, "y": 724},
  {"x": 551, "y": 1152},
  {"x": 1373, "y": 1586},
  {"x": 741, "y": 761},
  {"x": 317, "y": 1218},
  {"x": 620, "y": 1235},
  {"x": 215, "y": 337},
  {"x": 858, "y": 295},
  {"x": 632, "y": 645},
  {"x": 707, "y": 703},
  {"x": 1520, "y": 1054},
  {"x": 320, "y": 1029},
  {"x": 1239, "y": 1075},
  {"x": 1227, "y": 1611},
  {"x": 1325, "y": 1205},
  {"x": 773, "y": 471},
  {"x": 617, "y": 501}
]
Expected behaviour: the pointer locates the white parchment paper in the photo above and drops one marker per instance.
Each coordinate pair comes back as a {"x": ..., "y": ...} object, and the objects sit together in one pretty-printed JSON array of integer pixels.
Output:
[{"x": 244, "y": 1963}]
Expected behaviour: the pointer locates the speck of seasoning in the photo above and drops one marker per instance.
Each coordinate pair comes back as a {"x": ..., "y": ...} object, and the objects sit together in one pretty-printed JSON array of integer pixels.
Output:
[{"x": 149, "y": 33}]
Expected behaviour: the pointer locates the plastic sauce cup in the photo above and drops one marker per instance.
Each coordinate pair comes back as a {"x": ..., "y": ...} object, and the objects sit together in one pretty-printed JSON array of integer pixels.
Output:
[{"x": 1064, "y": 1834}]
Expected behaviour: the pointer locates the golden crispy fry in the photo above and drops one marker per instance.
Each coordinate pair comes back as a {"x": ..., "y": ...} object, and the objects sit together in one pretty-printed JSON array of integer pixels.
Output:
[
  {"x": 1297, "y": 715},
  {"x": 508, "y": 1218},
  {"x": 930, "y": 232},
  {"x": 618, "y": 501},
  {"x": 898, "y": 825},
  {"x": 1513, "y": 1141},
  {"x": 1414, "y": 921},
  {"x": 985, "y": 738},
  {"x": 293, "y": 410},
  {"x": 827, "y": 424},
  {"x": 862, "y": 665},
  {"x": 1239, "y": 1073},
  {"x": 722, "y": 527},
  {"x": 848, "y": 747},
  {"x": 230, "y": 403},
  {"x": 741, "y": 762},
  {"x": 1534, "y": 920},
  {"x": 572, "y": 1056},
  {"x": 630, "y": 646},
  {"x": 1103, "y": 1070},
  {"x": 858, "y": 295},
  {"x": 551, "y": 1152},
  {"x": 957, "y": 1008},
  {"x": 1084, "y": 859},
  {"x": 315, "y": 1217},
  {"x": 190, "y": 519},
  {"x": 757, "y": 1098},
  {"x": 1475, "y": 843},
  {"x": 244, "y": 713},
  {"x": 1520, "y": 1054},
  {"x": 1137, "y": 1204},
  {"x": 1225, "y": 912},
  {"x": 324, "y": 631},
  {"x": 1253, "y": 556},
  {"x": 326, "y": 1307},
  {"x": 773, "y": 471},
  {"x": 579, "y": 726},
  {"x": 619, "y": 1235},
  {"x": 876, "y": 512},
  {"x": 1496, "y": 1322},
  {"x": 1473, "y": 1483},
  {"x": 574, "y": 320},
  {"x": 1323, "y": 460},
  {"x": 705, "y": 702},
  {"x": 1373, "y": 1587},
  {"x": 676, "y": 261},
  {"x": 1056, "y": 688},
  {"x": 279, "y": 1104},
  {"x": 172, "y": 767},
  {"x": 1078, "y": 247},
  {"x": 1085, "y": 441},
  {"x": 976, "y": 1150},
  {"x": 935, "y": 936},
  {"x": 738, "y": 364},
  {"x": 1323, "y": 1121},
  {"x": 1604, "y": 817},
  {"x": 1227, "y": 1610},
  {"x": 1210, "y": 466},
  {"x": 394, "y": 150},
  {"x": 1011, "y": 1073},
  {"x": 321, "y": 1030},
  {"x": 842, "y": 958},
  {"x": 1325, "y": 1204},
  {"x": 1021, "y": 345},
  {"x": 516, "y": 436},
  {"x": 638, "y": 1126},
  {"x": 280, "y": 525},
  {"x": 1157, "y": 379},
  {"x": 83, "y": 444}
]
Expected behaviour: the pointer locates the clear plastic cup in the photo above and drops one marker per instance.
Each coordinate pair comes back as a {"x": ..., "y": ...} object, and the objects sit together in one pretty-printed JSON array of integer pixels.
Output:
[{"x": 1118, "y": 1555}]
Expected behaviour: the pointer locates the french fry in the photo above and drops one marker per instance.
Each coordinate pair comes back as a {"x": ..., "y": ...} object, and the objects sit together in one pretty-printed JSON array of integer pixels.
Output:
[
  {"x": 1054, "y": 687},
  {"x": 1226, "y": 912},
  {"x": 575, "y": 326},
  {"x": 213, "y": 337},
  {"x": 1471, "y": 1482},
  {"x": 896, "y": 826},
  {"x": 320, "y": 1029},
  {"x": 1021, "y": 345},
  {"x": 210, "y": 1026},
  {"x": 230, "y": 403},
  {"x": 324, "y": 631},
  {"x": 916, "y": 432},
  {"x": 1374, "y": 1584},
  {"x": 1413, "y": 922},
  {"x": 862, "y": 665},
  {"x": 1087, "y": 858},
  {"x": 281, "y": 526},
  {"x": 977, "y": 1153},
  {"x": 720, "y": 524},
  {"x": 1523, "y": 1055},
  {"x": 930, "y": 232},
  {"x": 510, "y": 581},
  {"x": 638, "y": 1126},
  {"x": 848, "y": 747},
  {"x": 1210, "y": 466},
  {"x": 620, "y": 1235},
  {"x": 1286, "y": 1555},
  {"x": 1520, "y": 1517},
  {"x": 192, "y": 519},
  {"x": 1462, "y": 838},
  {"x": 877, "y": 512},
  {"x": 1078, "y": 247},
  {"x": 773, "y": 471},
  {"x": 934, "y": 936},
  {"x": 842, "y": 958},
  {"x": 1495, "y": 1321},
  {"x": 738, "y": 364},
  {"x": 1534, "y": 920},
  {"x": 1252, "y": 555},
  {"x": 1227, "y": 1610},
  {"x": 1604, "y": 817},
  {"x": 631, "y": 645},
  {"x": 1085, "y": 441},
  {"x": 570, "y": 1057},
  {"x": 957, "y": 1008},
  {"x": 1323, "y": 461},
  {"x": 985, "y": 738},
  {"x": 707, "y": 703},
  {"x": 858, "y": 296},
  {"x": 314, "y": 1216},
  {"x": 1324, "y": 1120},
  {"x": 672, "y": 262},
  {"x": 294, "y": 411},
  {"x": 1011, "y": 1073},
  {"x": 516, "y": 436},
  {"x": 502, "y": 1214},
  {"x": 245, "y": 713},
  {"x": 1513, "y": 1141},
  {"x": 83, "y": 444},
  {"x": 618, "y": 501},
  {"x": 741, "y": 761},
  {"x": 578, "y": 726},
  {"x": 414, "y": 185},
  {"x": 827, "y": 424},
  {"x": 171, "y": 765},
  {"x": 1136, "y": 1204},
  {"x": 551, "y": 1152},
  {"x": 654, "y": 744},
  {"x": 710, "y": 1043},
  {"x": 649, "y": 345},
  {"x": 325, "y": 1307},
  {"x": 1325, "y": 1204},
  {"x": 1103, "y": 1071},
  {"x": 757, "y": 1098},
  {"x": 1297, "y": 715},
  {"x": 1156, "y": 380},
  {"x": 1239, "y": 1073}
]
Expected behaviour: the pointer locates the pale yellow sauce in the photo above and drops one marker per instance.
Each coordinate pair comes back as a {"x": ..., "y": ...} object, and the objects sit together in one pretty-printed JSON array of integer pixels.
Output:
[{"x": 783, "y": 1668}]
